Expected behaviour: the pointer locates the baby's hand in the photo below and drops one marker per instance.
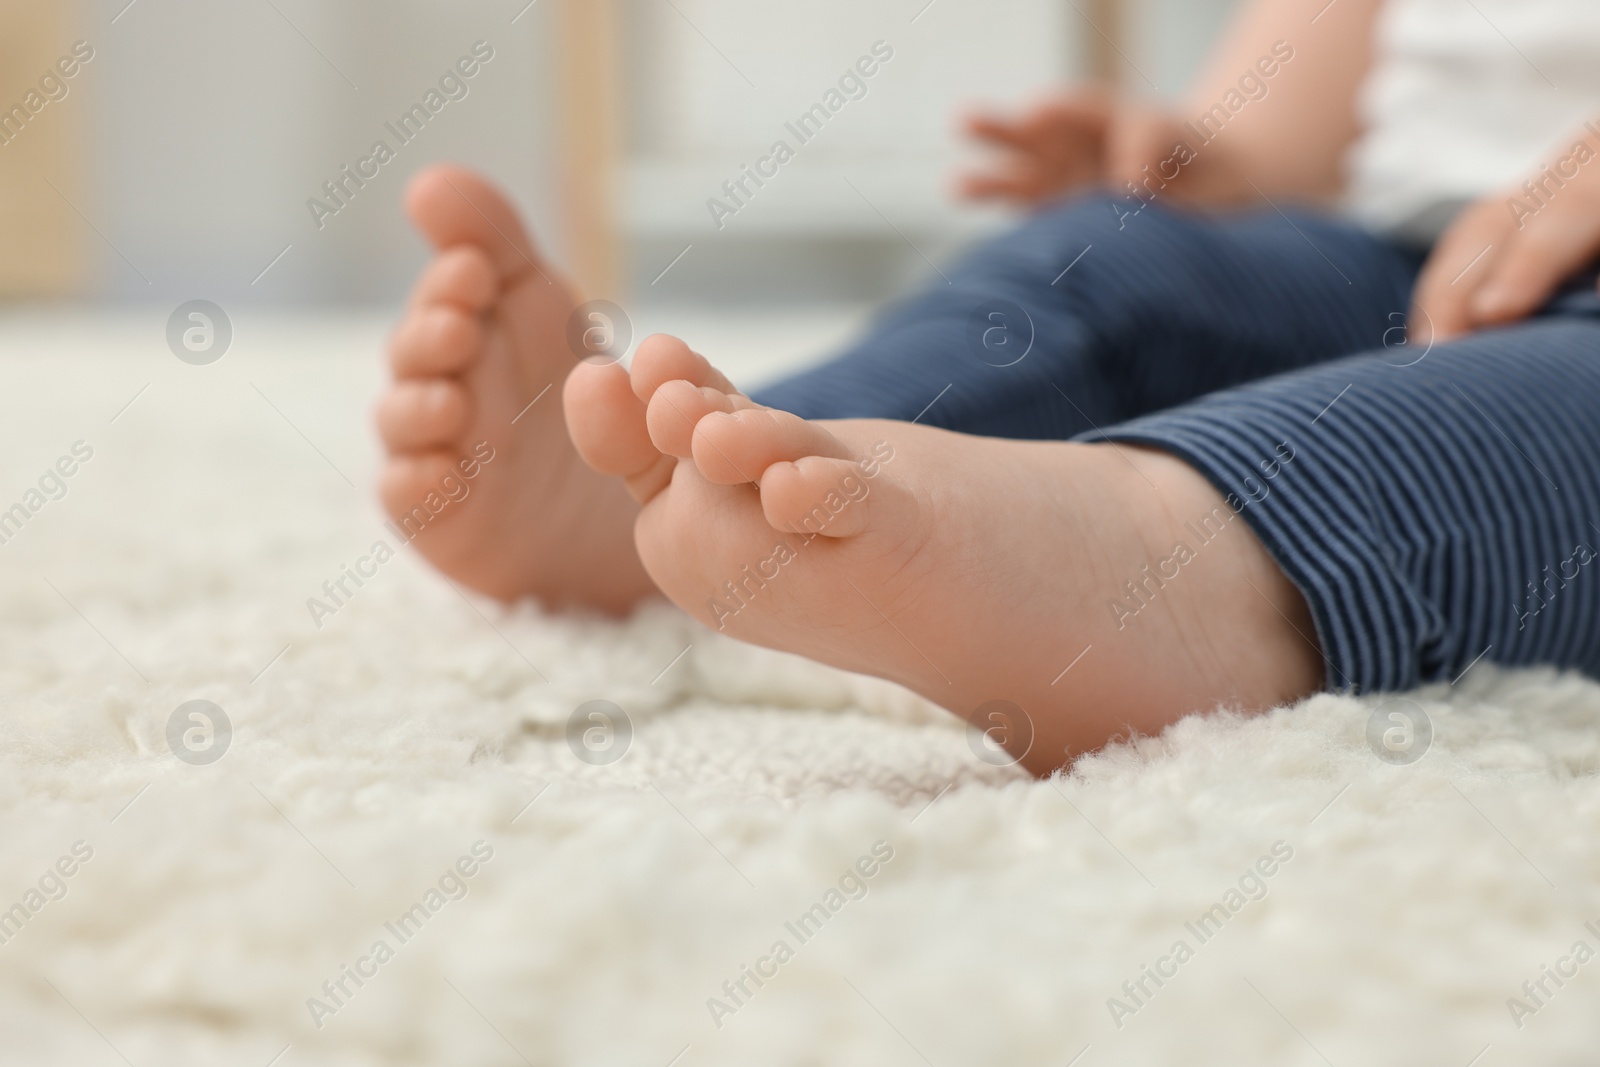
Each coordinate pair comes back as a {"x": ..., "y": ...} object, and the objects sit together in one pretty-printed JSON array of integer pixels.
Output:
[
  {"x": 1153, "y": 154},
  {"x": 1506, "y": 255},
  {"x": 1051, "y": 149},
  {"x": 1086, "y": 138}
]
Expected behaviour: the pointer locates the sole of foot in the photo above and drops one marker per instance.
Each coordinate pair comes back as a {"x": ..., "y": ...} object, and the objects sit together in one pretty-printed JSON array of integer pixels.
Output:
[
  {"x": 481, "y": 473},
  {"x": 982, "y": 573}
]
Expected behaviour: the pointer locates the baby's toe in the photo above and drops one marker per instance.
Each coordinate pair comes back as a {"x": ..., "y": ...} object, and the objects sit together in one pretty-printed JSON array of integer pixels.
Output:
[
  {"x": 662, "y": 358},
  {"x": 435, "y": 340},
  {"x": 461, "y": 277},
  {"x": 676, "y": 408},
  {"x": 738, "y": 447},
  {"x": 817, "y": 495},
  {"x": 607, "y": 425},
  {"x": 407, "y": 480},
  {"x": 419, "y": 415}
]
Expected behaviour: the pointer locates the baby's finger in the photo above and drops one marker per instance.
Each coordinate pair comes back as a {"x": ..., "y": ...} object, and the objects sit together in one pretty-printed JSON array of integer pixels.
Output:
[
  {"x": 1089, "y": 105},
  {"x": 1000, "y": 131},
  {"x": 1142, "y": 138},
  {"x": 1537, "y": 260},
  {"x": 1459, "y": 265}
]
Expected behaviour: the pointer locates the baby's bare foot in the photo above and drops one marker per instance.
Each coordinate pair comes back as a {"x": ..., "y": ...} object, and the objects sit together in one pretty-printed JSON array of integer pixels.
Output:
[
  {"x": 479, "y": 360},
  {"x": 971, "y": 570}
]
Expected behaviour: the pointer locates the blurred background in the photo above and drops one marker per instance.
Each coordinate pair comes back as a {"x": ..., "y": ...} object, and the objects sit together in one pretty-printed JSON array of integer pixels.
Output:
[{"x": 180, "y": 161}]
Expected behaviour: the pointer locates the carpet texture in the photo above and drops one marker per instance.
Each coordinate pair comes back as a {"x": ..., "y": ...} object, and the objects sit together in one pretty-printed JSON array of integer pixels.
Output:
[{"x": 402, "y": 775}]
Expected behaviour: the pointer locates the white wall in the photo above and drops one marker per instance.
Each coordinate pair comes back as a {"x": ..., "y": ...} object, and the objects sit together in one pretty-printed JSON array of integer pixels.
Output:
[
  {"x": 213, "y": 123},
  {"x": 697, "y": 120},
  {"x": 1169, "y": 39}
]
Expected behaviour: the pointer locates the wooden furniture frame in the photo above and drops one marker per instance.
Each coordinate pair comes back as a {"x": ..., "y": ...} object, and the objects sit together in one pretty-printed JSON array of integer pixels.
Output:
[{"x": 41, "y": 237}]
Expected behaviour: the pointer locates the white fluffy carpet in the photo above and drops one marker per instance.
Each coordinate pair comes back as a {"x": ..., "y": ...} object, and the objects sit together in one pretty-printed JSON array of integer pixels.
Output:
[{"x": 374, "y": 754}]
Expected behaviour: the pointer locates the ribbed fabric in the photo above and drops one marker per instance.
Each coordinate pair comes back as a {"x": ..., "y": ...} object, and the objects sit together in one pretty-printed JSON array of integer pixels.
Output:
[
  {"x": 1157, "y": 308},
  {"x": 1434, "y": 508},
  {"x": 1434, "y": 513}
]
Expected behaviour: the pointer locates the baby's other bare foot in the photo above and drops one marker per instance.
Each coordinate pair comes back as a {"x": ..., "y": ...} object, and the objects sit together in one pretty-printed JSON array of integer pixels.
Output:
[
  {"x": 479, "y": 360},
  {"x": 971, "y": 570}
]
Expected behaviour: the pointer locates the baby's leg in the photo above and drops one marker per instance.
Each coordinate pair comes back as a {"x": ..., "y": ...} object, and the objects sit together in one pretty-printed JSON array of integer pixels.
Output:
[
  {"x": 1086, "y": 315},
  {"x": 1431, "y": 514},
  {"x": 1399, "y": 523}
]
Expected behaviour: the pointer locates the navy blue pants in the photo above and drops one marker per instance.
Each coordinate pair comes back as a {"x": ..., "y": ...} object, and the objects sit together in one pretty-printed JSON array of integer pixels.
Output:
[{"x": 1435, "y": 506}]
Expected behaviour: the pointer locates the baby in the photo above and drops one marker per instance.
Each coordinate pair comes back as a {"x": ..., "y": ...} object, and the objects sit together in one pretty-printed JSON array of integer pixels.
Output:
[{"x": 919, "y": 510}]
